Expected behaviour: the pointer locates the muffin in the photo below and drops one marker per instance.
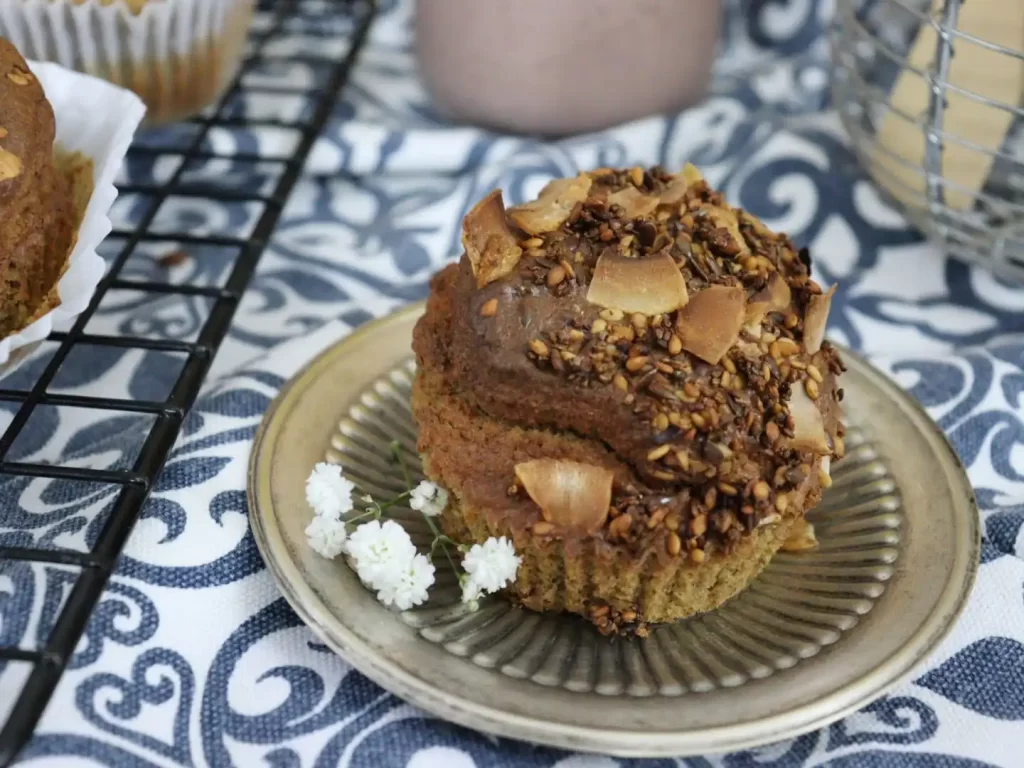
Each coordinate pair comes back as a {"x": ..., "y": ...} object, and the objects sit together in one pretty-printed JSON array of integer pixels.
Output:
[
  {"x": 37, "y": 211},
  {"x": 628, "y": 378},
  {"x": 179, "y": 56}
]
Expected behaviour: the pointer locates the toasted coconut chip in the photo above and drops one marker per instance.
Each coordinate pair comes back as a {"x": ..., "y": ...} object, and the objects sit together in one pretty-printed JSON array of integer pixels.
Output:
[
  {"x": 815, "y": 320},
  {"x": 634, "y": 202},
  {"x": 568, "y": 493},
  {"x": 710, "y": 322},
  {"x": 808, "y": 424},
  {"x": 552, "y": 206},
  {"x": 650, "y": 286},
  {"x": 775, "y": 297},
  {"x": 676, "y": 188},
  {"x": 801, "y": 538},
  {"x": 726, "y": 217},
  {"x": 489, "y": 242}
]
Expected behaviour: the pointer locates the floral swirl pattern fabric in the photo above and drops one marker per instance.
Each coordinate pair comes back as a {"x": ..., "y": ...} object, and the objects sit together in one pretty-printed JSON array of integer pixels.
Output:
[{"x": 192, "y": 657}]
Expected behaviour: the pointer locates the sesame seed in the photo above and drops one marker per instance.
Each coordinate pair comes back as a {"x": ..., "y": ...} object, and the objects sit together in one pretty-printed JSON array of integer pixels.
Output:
[
  {"x": 840, "y": 447},
  {"x": 728, "y": 489},
  {"x": 555, "y": 276},
  {"x": 788, "y": 346},
  {"x": 771, "y": 429},
  {"x": 535, "y": 253},
  {"x": 675, "y": 544},
  {"x": 710, "y": 498},
  {"x": 761, "y": 490},
  {"x": 726, "y": 379},
  {"x": 683, "y": 459},
  {"x": 639, "y": 321},
  {"x": 824, "y": 478},
  {"x": 620, "y": 382},
  {"x": 539, "y": 348},
  {"x": 814, "y": 373},
  {"x": 729, "y": 365},
  {"x": 599, "y": 326},
  {"x": 656, "y": 517},
  {"x": 543, "y": 528},
  {"x": 612, "y": 314},
  {"x": 658, "y": 452},
  {"x": 661, "y": 422},
  {"x": 791, "y": 321},
  {"x": 634, "y": 364},
  {"x": 698, "y": 420},
  {"x": 697, "y": 555},
  {"x": 636, "y": 174},
  {"x": 812, "y": 388},
  {"x": 489, "y": 308},
  {"x": 691, "y": 389},
  {"x": 698, "y": 525},
  {"x": 568, "y": 268},
  {"x": 782, "y": 503},
  {"x": 533, "y": 242},
  {"x": 675, "y": 345},
  {"x": 775, "y": 350}
]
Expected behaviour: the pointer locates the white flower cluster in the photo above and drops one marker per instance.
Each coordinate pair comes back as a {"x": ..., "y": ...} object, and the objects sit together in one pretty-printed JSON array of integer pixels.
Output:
[
  {"x": 428, "y": 498},
  {"x": 384, "y": 556},
  {"x": 329, "y": 493}
]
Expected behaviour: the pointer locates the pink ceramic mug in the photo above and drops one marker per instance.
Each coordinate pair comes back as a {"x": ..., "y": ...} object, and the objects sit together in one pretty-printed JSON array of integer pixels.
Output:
[{"x": 564, "y": 66}]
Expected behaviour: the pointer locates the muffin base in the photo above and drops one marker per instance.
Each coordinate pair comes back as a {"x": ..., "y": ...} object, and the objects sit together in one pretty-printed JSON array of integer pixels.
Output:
[
  {"x": 583, "y": 575},
  {"x": 555, "y": 578}
]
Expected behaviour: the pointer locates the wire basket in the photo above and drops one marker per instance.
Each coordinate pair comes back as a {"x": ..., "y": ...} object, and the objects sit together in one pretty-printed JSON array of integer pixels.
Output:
[{"x": 934, "y": 114}]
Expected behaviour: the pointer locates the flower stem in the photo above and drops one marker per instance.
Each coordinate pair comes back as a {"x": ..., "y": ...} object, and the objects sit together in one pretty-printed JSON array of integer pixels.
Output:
[
  {"x": 439, "y": 538},
  {"x": 396, "y": 451}
]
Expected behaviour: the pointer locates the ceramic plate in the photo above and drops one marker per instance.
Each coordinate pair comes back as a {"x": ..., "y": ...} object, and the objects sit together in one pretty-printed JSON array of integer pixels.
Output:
[{"x": 815, "y": 637}]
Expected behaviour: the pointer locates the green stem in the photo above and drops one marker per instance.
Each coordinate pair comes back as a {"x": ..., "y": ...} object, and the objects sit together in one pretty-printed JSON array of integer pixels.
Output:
[
  {"x": 396, "y": 451},
  {"x": 439, "y": 538}
]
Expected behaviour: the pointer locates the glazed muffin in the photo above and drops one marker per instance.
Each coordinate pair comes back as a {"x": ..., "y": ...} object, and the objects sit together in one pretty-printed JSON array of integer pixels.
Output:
[
  {"x": 628, "y": 378},
  {"x": 179, "y": 56},
  {"x": 36, "y": 205}
]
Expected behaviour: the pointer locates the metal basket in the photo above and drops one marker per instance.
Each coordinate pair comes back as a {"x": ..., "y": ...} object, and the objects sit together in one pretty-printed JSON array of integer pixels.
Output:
[{"x": 872, "y": 45}]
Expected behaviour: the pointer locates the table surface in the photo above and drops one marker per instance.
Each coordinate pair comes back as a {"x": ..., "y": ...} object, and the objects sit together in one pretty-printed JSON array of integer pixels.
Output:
[{"x": 192, "y": 656}]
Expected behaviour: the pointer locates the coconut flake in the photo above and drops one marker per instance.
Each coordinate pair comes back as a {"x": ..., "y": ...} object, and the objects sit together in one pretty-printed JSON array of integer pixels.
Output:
[
  {"x": 552, "y": 206},
  {"x": 676, "y": 189},
  {"x": 808, "y": 423},
  {"x": 490, "y": 244},
  {"x": 801, "y": 538},
  {"x": 634, "y": 202},
  {"x": 775, "y": 297},
  {"x": 710, "y": 322},
  {"x": 816, "y": 318},
  {"x": 652, "y": 285},
  {"x": 568, "y": 493}
]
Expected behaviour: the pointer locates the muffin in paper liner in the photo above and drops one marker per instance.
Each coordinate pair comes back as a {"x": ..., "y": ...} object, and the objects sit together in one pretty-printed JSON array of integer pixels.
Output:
[
  {"x": 95, "y": 122},
  {"x": 177, "y": 55}
]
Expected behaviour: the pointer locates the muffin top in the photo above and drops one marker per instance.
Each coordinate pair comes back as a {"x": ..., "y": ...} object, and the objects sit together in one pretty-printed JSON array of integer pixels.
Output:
[
  {"x": 26, "y": 124},
  {"x": 637, "y": 309}
]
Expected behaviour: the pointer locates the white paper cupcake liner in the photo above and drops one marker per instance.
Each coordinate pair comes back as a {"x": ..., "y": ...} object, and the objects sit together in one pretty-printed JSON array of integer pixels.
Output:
[
  {"x": 97, "y": 120},
  {"x": 177, "y": 55}
]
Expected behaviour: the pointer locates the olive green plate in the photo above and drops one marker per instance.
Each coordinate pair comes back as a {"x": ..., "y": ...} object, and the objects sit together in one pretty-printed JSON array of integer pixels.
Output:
[{"x": 815, "y": 637}]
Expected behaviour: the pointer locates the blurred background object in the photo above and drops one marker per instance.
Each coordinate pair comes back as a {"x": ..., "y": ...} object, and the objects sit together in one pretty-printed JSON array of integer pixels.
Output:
[
  {"x": 178, "y": 56},
  {"x": 930, "y": 92},
  {"x": 537, "y": 66}
]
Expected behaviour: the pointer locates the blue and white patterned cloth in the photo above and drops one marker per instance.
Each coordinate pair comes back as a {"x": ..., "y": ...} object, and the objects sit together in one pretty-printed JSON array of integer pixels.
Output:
[{"x": 193, "y": 658}]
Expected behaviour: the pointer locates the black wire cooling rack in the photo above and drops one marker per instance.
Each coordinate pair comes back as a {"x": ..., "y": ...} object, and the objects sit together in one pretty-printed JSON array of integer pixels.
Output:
[{"x": 276, "y": 20}]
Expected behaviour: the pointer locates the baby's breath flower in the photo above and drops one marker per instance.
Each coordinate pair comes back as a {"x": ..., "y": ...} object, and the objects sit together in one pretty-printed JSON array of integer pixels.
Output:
[
  {"x": 328, "y": 492},
  {"x": 489, "y": 567},
  {"x": 326, "y": 536},
  {"x": 381, "y": 552},
  {"x": 409, "y": 587},
  {"x": 428, "y": 498}
]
